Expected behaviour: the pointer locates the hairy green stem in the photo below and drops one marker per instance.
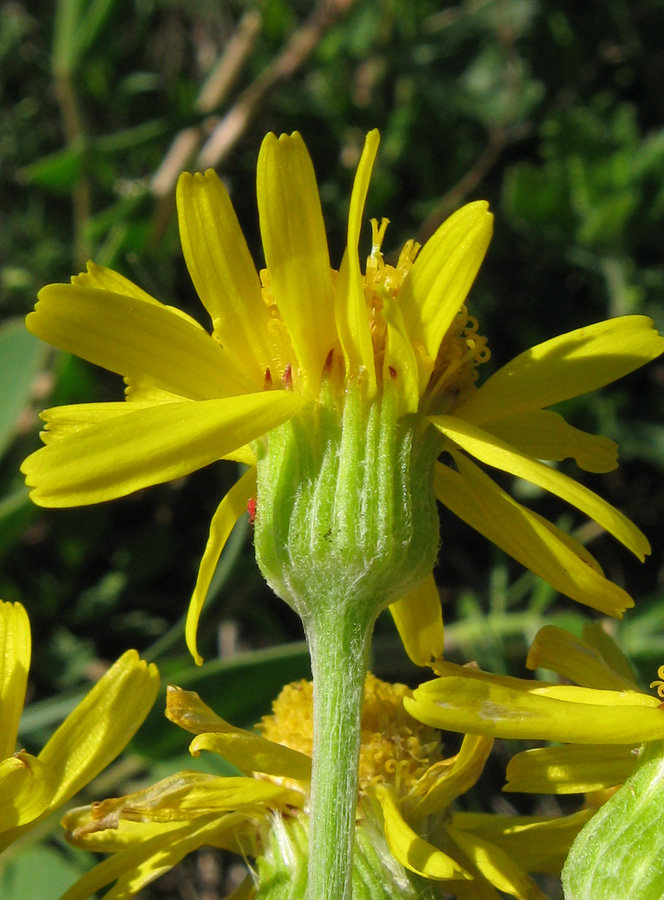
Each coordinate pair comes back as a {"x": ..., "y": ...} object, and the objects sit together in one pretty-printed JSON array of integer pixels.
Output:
[{"x": 339, "y": 644}]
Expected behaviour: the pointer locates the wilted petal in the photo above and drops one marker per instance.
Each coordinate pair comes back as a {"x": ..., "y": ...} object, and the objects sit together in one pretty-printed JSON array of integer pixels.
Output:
[
  {"x": 496, "y": 866},
  {"x": 186, "y": 709},
  {"x": 565, "y": 654},
  {"x": 457, "y": 778},
  {"x": 475, "y": 702},
  {"x": 145, "y": 860},
  {"x": 536, "y": 843}
]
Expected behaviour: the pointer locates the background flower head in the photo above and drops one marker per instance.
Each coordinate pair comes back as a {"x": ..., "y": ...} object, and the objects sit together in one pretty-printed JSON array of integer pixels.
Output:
[{"x": 407, "y": 829}]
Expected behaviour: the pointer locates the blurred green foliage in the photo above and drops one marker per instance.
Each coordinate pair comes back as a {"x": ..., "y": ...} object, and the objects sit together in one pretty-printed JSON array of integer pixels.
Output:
[{"x": 552, "y": 112}]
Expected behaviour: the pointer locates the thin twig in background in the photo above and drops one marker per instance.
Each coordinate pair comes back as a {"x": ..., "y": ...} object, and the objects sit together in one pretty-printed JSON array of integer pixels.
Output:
[
  {"x": 219, "y": 136},
  {"x": 213, "y": 93},
  {"x": 72, "y": 124},
  {"x": 229, "y": 130},
  {"x": 301, "y": 43},
  {"x": 455, "y": 197}
]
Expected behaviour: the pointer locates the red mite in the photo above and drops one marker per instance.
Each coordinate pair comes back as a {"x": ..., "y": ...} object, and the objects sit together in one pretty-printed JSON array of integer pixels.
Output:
[{"x": 251, "y": 509}]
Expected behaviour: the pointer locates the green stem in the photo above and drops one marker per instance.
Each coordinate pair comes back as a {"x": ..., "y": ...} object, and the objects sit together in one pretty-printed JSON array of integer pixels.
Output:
[{"x": 339, "y": 643}]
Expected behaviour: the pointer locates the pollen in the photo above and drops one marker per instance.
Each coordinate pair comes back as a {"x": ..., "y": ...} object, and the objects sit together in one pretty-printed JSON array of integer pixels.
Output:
[
  {"x": 454, "y": 375},
  {"x": 396, "y": 750}
]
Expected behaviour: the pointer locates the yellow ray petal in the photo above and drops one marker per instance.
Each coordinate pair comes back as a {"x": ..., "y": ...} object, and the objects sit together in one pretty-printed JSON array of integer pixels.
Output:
[
  {"x": 184, "y": 796},
  {"x": 536, "y": 843},
  {"x": 457, "y": 778},
  {"x": 188, "y": 795},
  {"x": 409, "y": 849},
  {"x": 15, "y": 646},
  {"x": 565, "y": 654},
  {"x": 138, "y": 339},
  {"x": 546, "y": 435},
  {"x": 573, "y": 769},
  {"x": 65, "y": 421},
  {"x": 244, "y": 455},
  {"x": 103, "y": 279},
  {"x": 400, "y": 363},
  {"x": 146, "y": 860},
  {"x": 419, "y": 621},
  {"x": 594, "y": 634},
  {"x": 296, "y": 252},
  {"x": 475, "y": 702},
  {"x": 535, "y": 543},
  {"x": 138, "y": 391},
  {"x": 564, "y": 367},
  {"x": 496, "y": 866},
  {"x": 187, "y": 710},
  {"x": 25, "y": 790},
  {"x": 494, "y": 452},
  {"x": 351, "y": 313},
  {"x": 252, "y": 753},
  {"x": 116, "y": 834},
  {"x": 443, "y": 273},
  {"x": 150, "y": 446},
  {"x": 100, "y": 726},
  {"x": 567, "y": 692},
  {"x": 228, "y": 512},
  {"x": 223, "y": 272}
]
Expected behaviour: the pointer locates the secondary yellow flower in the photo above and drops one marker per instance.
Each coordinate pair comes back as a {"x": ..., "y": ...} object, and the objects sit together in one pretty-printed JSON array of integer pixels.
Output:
[
  {"x": 312, "y": 350},
  {"x": 408, "y": 841},
  {"x": 590, "y": 767},
  {"x": 32, "y": 787},
  {"x": 601, "y": 721}
]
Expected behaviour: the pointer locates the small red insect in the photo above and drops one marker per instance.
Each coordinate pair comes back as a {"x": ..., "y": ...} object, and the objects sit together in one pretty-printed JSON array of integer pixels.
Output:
[{"x": 251, "y": 509}]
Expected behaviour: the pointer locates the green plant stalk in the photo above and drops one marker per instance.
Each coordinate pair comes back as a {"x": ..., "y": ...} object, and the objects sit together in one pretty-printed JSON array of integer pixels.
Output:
[{"x": 339, "y": 646}]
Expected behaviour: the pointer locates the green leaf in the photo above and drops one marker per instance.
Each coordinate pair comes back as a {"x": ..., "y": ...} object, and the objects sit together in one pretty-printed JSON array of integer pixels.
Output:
[
  {"x": 21, "y": 357},
  {"x": 58, "y": 171},
  {"x": 620, "y": 851},
  {"x": 39, "y": 871}
]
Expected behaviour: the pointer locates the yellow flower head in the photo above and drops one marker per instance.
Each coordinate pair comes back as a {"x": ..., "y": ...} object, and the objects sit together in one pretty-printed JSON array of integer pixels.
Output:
[
  {"x": 599, "y": 722},
  {"x": 339, "y": 389},
  {"x": 408, "y": 839},
  {"x": 32, "y": 787}
]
